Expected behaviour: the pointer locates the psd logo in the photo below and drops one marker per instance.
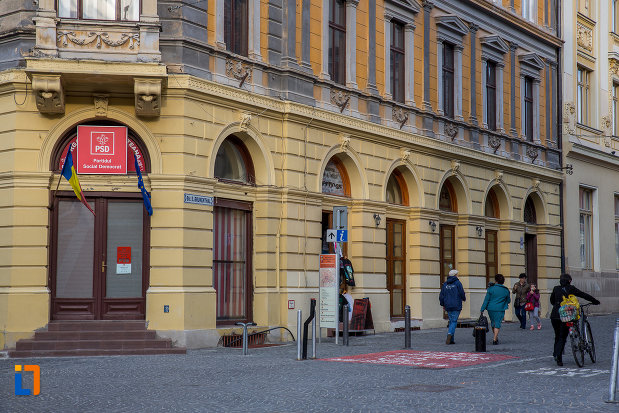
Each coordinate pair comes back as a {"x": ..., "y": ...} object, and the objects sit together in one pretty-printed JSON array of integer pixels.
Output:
[
  {"x": 36, "y": 370},
  {"x": 102, "y": 143}
]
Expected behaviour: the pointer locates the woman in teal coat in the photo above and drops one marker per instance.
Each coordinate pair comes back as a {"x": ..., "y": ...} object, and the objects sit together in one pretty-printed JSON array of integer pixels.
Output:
[{"x": 496, "y": 302}]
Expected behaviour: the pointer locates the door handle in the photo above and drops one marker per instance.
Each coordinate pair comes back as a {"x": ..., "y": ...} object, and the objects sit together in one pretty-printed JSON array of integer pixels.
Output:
[{"x": 103, "y": 265}]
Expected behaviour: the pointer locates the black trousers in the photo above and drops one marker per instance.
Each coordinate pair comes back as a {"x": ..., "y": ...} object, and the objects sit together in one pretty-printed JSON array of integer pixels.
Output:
[{"x": 561, "y": 333}]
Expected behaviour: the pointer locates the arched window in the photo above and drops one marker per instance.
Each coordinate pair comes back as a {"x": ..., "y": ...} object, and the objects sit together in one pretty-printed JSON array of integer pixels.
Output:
[
  {"x": 447, "y": 198},
  {"x": 134, "y": 147},
  {"x": 397, "y": 192},
  {"x": 529, "y": 212},
  {"x": 335, "y": 179},
  {"x": 233, "y": 162},
  {"x": 492, "y": 205}
]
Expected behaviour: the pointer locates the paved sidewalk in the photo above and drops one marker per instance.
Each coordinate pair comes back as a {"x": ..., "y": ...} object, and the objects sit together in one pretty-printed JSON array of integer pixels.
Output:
[{"x": 271, "y": 380}]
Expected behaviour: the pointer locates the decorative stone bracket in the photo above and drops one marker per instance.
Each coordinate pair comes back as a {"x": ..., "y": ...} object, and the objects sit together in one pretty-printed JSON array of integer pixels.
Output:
[
  {"x": 48, "y": 92},
  {"x": 147, "y": 96}
]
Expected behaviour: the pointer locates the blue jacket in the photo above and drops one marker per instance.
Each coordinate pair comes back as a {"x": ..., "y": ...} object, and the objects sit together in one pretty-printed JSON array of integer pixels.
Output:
[
  {"x": 497, "y": 298},
  {"x": 452, "y": 294}
]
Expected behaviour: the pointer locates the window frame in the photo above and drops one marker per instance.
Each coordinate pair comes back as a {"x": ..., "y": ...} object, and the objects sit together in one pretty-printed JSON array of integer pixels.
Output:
[
  {"x": 491, "y": 91},
  {"x": 615, "y": 109},
  {"x": 452, "y": 197},
  {"x": 80, "y": 11},
  {"x": 401, "y": 183},
  {"x": 245, "y": 157},
  {"x": 616, "y": 197},
  {"x": 585, "y": 239},
  {"x": 528, "y": 112},
  {"x": 336, "y": 64},
  {"x": 529, "y": 10},
  {"x": 448, "y": 74},
  {"x": 230, "y": 28},
  {"x": 583, "y": 95},
  {"x": 398, "y": 53}
]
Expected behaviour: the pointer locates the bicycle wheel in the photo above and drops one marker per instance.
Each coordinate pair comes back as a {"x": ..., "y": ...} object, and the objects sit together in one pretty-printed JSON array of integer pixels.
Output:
[
  {"x": 579, "y": 354},
  {"x": 589, "y": 343}
]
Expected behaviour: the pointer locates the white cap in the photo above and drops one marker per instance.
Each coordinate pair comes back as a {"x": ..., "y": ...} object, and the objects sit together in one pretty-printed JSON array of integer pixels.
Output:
[{"x": 453, "y": 273}]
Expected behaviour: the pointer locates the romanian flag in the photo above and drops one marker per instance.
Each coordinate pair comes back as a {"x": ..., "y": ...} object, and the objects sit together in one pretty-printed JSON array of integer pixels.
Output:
[{"x": 68, "y": 171}]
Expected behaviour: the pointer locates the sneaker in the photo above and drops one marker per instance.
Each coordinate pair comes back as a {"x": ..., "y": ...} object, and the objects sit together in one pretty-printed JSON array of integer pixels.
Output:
[
  {"x": 532, "y": 328},
  {"x": 452, "y": 341},
  {"x": 495, "y": 342},
  {"x": 449, "y": 339},
  {"x": 539, "y": 327}
]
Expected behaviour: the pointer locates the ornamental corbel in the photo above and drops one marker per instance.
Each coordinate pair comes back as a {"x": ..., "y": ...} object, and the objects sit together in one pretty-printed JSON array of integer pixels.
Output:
[
  {"x": 101, "y": 102},
  {"x": 48, "y": 92},
  {"x": 535, "y": 184},
  {"x": 344, "y": 142},
  {"x": 406, "y": 154},
  {"x": 498, "y": 175},
  {"x": 245, "y": 121},
  {"x": 147, "y": 96},
  {"x": 455, "y": 166}
]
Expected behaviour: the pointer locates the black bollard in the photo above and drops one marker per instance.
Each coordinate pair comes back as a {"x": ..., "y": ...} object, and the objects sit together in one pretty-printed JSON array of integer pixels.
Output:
[
  {"x": 345, "y": 328},
  {"x": 480, "y": 339},
  {"x": 407, "y": 326},
  {"x": 306, "y": 324}
]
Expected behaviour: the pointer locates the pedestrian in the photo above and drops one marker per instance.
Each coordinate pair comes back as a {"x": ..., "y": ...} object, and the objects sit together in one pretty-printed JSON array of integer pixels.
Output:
[
  {"x": 533, "y": 302},
  {"x": 521, "y": 289},
  {"x": 564, "y": 289},
  {"x": 451, "y": 298},
  {"x": 496, "y": 302}
]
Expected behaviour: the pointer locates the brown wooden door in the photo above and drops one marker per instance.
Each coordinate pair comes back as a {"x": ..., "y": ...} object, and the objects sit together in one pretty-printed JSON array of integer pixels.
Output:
[
  {"x": 530, "y": 258},
  {"x": 492, "y": 258},
  {"x": 447, "y": 253},
  {"x": 99, "y": 265},
  {"x": 396, "y": 266}
]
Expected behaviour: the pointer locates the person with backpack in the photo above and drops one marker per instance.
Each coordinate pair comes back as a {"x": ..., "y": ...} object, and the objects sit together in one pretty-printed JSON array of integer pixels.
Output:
[
  {"x": 451, "y": 298},
  {"x": 561, "y": 291},
  {"x": 532, "y": 307},
  {"x": 496, "y": 302},
  {"x": 521, "y": 289}
]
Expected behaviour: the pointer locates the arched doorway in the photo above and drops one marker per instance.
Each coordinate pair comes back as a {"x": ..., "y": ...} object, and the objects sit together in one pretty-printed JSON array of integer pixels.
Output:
[
  {"x": 99, "y": 264},
  {"x": 447, "y": 203},
  {"x": 335, "y": 181},
  {"x": 397, "y": 194},
  {"x": 530, "y": 240},
  {"x": 232, "y": 235}
]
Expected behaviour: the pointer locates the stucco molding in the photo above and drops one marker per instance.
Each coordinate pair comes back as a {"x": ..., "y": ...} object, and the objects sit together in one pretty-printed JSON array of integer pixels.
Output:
[
  {"x": 147, "y": 93},
  {"x": 48, "y": 93},
  {"x": 539, "y": 200},
  {"x": 503, "y": 197},
  {"x": 463, "y": 194},
  {"x": 354, "y": 168},
  {"x": 411, "y": 177}
]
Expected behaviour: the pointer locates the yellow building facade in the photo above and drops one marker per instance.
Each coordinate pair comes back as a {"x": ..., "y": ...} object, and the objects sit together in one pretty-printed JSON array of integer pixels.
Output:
[{"x": 443, "y": 147}]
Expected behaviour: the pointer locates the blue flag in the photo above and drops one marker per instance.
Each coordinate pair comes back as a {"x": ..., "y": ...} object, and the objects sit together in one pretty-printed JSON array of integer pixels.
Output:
[{"x": 145, "y": 194}]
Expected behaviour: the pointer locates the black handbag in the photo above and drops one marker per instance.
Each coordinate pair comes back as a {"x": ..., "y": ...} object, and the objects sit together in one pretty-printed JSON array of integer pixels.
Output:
[{"x": 482, "y": 321}]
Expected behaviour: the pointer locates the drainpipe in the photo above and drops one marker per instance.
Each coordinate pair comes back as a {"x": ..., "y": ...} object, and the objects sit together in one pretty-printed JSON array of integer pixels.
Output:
[{"x": 560, "y": 133}]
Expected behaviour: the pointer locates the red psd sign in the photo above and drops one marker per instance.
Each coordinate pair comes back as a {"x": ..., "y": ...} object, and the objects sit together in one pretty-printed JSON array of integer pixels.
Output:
[
  {"x": 101, "y": 150},
  {"x": 123, "y": 255}
]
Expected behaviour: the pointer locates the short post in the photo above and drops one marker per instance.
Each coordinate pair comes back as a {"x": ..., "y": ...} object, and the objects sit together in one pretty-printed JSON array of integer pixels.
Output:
[
  {"x": 615, "y": 366},
  {"x": 480, "y": 339},
  {"x": 306, "y": 325},
  {"x": 314, "y": 338},
  {"x": 345, "y": 327},
  {"x": 407, "y": 326},
  {"x": 245, "y": 339},
  {"x": 299, "y": 333}
]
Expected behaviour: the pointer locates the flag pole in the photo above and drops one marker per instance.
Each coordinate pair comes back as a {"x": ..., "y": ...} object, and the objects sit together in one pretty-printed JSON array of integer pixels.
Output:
[{"x": 51, "y": 207}]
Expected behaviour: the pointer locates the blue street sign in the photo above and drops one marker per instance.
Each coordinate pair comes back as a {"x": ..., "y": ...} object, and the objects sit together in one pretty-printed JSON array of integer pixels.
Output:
[{"x": 342, "y": 235}]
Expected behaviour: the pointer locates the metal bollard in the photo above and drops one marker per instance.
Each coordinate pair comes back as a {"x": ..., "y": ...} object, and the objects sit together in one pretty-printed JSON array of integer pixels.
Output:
[
  {"x": 306, "y": 325},
  {"x": 314, "y": 338},
  {"x": 615, "y": 366},
  {"x": 407, "y": 326},
  {"x": 345, "y": 328},
  {"x": 245, "y": 340},
  {"x": 480, "y": 339},
  {"x": 299, "y": 333}
]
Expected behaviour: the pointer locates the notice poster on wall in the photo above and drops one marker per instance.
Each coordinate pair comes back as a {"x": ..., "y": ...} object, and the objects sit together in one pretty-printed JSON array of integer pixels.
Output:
[
  {"x": 123, "y": 260},
  {"x": 102, "y": 149},
  {"x": 329, "y": 289}
]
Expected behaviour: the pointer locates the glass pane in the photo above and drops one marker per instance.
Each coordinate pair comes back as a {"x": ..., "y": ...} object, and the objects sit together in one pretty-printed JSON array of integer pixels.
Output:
[
  {"x": 229, "y": 262},
  {"x": 99, "y": 9},
  {"x": 444, "y": 202},
  {"x": 75, "y": 250},
  {"x": 332, "y": 182},
  {"x": 394, "y": 195},
  {"x": 124, "y": 249},
  {"x": 67, "y": 8},
  {"x": 397, "y": 273},
  {"x": 489, "y": 207},
  {"x": 229, "y": 163},
  {"x": 397, "y": 240},
  {"x": 130, "y": 10},
  {"x": 617, "y": 206},
  {"x": 396, "y": 310},
  {"x": 617, "y": 242}
]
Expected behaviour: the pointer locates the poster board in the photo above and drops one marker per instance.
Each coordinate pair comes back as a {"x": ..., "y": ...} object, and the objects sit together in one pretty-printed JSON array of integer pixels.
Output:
[
  {"x": 329, "y": 289},
  {"x": 362, "y": 315}
]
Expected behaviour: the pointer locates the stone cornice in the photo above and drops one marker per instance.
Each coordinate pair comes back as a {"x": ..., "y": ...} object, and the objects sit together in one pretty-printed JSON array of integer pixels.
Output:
[
  {"x": 358, "y": 129},
  {"x": 19, "y": 179},
  {"x": 34, "y": 65}
]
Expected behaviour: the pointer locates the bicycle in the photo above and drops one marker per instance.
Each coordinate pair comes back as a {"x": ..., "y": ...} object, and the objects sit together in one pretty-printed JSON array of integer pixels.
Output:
[{"x": 581, "y": 337}]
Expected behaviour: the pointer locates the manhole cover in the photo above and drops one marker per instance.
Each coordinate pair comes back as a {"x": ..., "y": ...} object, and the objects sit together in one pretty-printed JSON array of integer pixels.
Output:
[{"x": 427, "y": 388}]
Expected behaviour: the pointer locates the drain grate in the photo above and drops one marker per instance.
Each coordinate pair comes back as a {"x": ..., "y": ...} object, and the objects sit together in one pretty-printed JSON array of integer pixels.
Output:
[
  {"x": 401, "y": 329},
  {"x": 427, "y": 388},
  {"x": 236, "y": 340}
]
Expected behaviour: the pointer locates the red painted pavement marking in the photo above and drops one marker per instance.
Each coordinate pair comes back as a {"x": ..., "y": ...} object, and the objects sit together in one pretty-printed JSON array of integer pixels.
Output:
[{"x": 431, "y": 359}]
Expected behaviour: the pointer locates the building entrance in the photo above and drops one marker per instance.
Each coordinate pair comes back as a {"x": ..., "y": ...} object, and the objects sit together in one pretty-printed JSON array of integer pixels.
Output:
[{"x": 99, "y": 264}]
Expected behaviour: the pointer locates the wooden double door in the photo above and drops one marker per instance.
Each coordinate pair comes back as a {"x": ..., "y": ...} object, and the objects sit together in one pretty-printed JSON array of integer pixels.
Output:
[{"x": 99, "y": 264}]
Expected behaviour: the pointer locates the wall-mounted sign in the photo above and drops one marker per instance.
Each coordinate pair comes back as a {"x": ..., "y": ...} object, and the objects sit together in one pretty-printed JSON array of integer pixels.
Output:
[
  {"x": 198, "y": 199},
  {"x": 132, "y": 148},
  {"x": 329, "y": 289},
  {"x": 123, "y": 260},
  {"x": 102, "y": 149}
]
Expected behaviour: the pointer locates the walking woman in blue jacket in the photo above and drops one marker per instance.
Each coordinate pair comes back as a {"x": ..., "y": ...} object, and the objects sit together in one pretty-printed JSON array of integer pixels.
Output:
[{"x": 496, "y": 302}]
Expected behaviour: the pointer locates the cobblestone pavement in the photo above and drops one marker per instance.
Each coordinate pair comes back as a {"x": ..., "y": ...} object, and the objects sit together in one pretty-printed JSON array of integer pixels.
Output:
[{"x": 271, "y": 380}]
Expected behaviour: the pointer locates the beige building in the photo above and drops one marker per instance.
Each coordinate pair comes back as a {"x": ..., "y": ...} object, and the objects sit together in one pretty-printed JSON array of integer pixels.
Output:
[
  {"x": 433, "y": 122},
  {"x": 590, "y": 129}
]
